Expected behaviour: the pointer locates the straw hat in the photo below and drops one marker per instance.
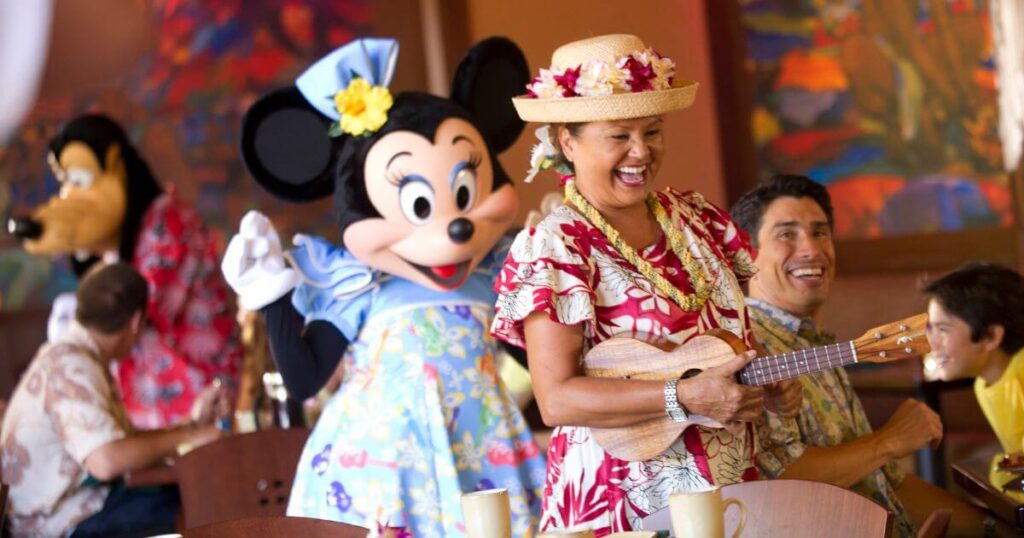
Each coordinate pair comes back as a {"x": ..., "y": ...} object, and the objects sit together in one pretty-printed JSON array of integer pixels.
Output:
[{"x": 609, "y": 77}]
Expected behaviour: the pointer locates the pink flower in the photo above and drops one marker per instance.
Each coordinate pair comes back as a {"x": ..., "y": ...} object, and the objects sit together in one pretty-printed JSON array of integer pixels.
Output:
[
  {"x": 640, "y": 74},
  {"x": 525, "y": 451},
  {"x": 353, "y": 459},
  {"x": 567, "y": 81},
  {"x": 499, "y": 454},
  {"x": 386, "y": 531}
]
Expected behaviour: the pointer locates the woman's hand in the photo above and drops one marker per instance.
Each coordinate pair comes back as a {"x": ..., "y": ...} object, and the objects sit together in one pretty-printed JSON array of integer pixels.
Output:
[
  {"x": 784, "y": 397},
  {"x": 714, "y": 393}
]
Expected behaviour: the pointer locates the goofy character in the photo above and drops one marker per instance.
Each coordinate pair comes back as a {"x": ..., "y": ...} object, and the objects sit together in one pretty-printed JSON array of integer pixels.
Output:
[{"x": 110, "y": 207}]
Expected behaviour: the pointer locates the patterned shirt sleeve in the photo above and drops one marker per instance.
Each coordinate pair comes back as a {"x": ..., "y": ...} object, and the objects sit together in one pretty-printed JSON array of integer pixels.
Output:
[
  {"x": 542, "y": 273},
  {"x": 733, "y": 240},
  {"x": 80, "y": 401}
]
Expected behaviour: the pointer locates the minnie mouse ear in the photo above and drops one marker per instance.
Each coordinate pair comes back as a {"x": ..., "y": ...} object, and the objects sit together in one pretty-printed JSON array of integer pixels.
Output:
[
  {"x": 489, "y": 76},
  {"x": 286, "y": 148}
]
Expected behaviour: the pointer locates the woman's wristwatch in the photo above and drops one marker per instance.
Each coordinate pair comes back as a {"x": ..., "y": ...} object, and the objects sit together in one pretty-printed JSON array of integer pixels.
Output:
[{"x": 672, "y": 407}]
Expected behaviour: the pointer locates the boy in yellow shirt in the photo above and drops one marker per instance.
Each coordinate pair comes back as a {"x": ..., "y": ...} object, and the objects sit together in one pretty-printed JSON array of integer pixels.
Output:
[{"x": 976, "y": 329}]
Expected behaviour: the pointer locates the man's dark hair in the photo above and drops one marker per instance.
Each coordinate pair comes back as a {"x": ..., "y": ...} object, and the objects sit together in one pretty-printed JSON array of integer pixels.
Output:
[
  {"x": 109, "y": 296},
  {"x": 749, "y": 210},
  {"x": 983, "y": 295}
]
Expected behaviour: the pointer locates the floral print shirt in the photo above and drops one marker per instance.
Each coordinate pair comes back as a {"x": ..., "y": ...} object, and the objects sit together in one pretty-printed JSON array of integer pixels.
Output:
[
  {"x": 831, "y": 414},
  {"x": 566, "y": 268},
  {"x": 65, "y": 407}
]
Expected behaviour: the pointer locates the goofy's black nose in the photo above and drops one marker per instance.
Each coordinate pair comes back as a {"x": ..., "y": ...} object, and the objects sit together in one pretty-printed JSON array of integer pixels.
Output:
[{"x": 460, "y": 230}]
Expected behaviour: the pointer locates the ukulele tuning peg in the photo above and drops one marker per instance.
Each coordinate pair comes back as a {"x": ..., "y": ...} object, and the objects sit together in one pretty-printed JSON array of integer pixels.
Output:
[
  {"x": 908, "y": 350},
  {"x": 883, "y": 354},
  {"x": 878, "y": 336},
  {"x": 904, "y": 328}
]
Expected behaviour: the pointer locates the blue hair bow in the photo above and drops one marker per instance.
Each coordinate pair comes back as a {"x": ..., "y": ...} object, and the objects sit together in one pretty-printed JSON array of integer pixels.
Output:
[{"x": 372, "y": 59}]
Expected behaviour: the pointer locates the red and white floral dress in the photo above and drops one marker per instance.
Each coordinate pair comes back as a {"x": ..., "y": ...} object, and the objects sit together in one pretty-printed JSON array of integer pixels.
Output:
[{"x": 566, "y": 268}]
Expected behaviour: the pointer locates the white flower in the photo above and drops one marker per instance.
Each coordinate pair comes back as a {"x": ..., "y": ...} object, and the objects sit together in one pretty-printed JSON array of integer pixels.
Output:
[
  {"x": 542, "y": 153},
  {"x": 598, "y": 78},
  {"x": 665, "y": 69},
  {"x": 545, "y": 86}
]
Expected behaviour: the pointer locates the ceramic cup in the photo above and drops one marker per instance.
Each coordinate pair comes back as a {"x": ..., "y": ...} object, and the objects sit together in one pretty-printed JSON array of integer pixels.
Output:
[
  {"x": 486, "y": 514},
  {"x": 701, "y": 514}
]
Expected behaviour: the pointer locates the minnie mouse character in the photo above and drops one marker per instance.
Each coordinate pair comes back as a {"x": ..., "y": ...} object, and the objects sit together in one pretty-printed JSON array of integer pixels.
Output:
[{"x": 422, "y": 205}]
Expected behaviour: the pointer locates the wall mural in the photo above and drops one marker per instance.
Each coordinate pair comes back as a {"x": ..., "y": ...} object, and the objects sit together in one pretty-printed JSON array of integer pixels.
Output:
[
  {"x": 889, "y": 103},
  {"x": 182, "y": 104}
]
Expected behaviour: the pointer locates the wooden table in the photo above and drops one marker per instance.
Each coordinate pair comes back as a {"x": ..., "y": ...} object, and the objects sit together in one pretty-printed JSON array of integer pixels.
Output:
[{"x": 976, "y": 475}]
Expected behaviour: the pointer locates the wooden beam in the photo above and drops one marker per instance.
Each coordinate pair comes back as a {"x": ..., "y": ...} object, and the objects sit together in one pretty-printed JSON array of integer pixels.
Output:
[
  {"x": 733, "y": 83},
  {"x": 936, "y": 252}
]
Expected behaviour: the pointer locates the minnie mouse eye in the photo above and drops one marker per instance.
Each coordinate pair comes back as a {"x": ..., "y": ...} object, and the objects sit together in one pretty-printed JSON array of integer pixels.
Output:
[
  {"x": 464, "y": 187},
  {"x": 416, "y": 198}
]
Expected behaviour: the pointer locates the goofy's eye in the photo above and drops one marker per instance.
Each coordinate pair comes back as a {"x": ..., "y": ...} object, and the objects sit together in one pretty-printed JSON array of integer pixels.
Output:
[
  {"x": 464, "y": 187},
  {"x": 417, "y": 200},
  {"x": 79, "y": 177}
]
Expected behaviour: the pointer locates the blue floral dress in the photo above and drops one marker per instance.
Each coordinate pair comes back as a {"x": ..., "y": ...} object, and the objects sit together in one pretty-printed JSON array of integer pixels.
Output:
[{"x": 421, "y": 416}]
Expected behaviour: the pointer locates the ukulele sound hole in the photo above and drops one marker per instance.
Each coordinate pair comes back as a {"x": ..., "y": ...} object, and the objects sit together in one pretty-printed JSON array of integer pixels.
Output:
[{"x": 691, "y": 373}]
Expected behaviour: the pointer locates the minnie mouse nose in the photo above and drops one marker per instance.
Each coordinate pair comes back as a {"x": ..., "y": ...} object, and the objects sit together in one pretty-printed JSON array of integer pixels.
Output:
[{"x": 460, "y": 230}]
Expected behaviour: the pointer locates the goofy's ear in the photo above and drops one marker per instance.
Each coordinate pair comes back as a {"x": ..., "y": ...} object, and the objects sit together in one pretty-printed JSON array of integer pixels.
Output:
[
  {"x": 489, "y": 76},
  {"x": 286, "y": 148}
]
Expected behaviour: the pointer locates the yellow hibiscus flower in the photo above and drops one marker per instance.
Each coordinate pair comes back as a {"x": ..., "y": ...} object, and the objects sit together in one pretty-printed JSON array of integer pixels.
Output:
[{"x": 363, "y": 108}]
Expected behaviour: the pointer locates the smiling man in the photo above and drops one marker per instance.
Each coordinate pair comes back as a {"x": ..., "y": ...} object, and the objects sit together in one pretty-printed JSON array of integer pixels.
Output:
[{"x": 789, "y": 219}]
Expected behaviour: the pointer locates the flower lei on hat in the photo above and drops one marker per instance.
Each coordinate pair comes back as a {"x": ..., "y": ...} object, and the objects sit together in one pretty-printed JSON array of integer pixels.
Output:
[
  {"x": 355, "y": 79},
  {"x": 694, "y": 271},
  {"x": 640, "y": 71}
]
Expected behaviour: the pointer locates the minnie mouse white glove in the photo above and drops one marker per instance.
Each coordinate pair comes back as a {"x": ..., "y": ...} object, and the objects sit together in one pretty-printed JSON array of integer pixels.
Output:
[{"x": 254, "y": 265}]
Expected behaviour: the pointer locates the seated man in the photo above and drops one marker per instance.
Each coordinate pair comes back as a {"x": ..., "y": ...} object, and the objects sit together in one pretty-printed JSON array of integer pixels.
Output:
[
  {"x": 976, "y": 329},
  {"x": 66, "y": 439},
  {"x": 789, "y": 219}
]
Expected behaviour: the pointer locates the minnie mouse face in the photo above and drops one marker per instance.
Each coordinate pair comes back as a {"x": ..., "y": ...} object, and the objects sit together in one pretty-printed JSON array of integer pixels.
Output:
[
  {"x": 439, "y": 215},
  {"x": 421, "y": 196}
]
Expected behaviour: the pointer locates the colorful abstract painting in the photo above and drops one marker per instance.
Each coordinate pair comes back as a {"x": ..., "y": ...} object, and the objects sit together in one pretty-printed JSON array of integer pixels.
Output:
[
  {"x": 182, "y": 104},
  {"x": 889, "y": 103}
]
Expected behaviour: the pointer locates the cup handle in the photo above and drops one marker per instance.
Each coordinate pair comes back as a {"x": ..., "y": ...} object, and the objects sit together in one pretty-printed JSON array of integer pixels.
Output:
[{"x": 743, "y": 514}]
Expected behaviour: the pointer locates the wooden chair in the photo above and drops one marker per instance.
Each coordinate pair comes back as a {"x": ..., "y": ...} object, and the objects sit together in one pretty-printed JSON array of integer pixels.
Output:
[
  {"x": 936, "y": 525},
  {"x": 797, "y": 509},
  {"x": 277, "y": 526},
  {"x": 240, "y": 476}
]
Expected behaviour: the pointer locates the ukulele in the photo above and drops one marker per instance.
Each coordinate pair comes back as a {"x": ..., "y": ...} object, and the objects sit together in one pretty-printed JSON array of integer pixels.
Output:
[{"x": 627, "y": 358}]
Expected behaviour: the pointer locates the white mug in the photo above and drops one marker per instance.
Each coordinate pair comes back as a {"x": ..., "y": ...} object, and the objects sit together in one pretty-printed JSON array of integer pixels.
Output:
[
  {"x": 487, "y": 514},
  {"x": 701, "y": 513}
]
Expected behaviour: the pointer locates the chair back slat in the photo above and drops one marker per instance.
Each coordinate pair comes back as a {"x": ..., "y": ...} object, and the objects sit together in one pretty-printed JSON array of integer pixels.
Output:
[
  {"x": 239, "y": 476},
  {"x": 277, "y": 526},
  {"x": 796, "y": 509}
]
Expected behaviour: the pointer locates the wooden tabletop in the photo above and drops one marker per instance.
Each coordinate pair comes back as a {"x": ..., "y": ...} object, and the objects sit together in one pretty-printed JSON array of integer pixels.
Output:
[{"x": 980, "y": 477}]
